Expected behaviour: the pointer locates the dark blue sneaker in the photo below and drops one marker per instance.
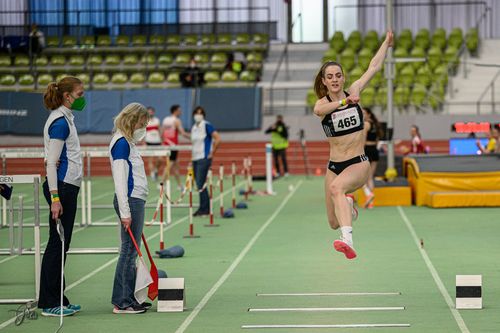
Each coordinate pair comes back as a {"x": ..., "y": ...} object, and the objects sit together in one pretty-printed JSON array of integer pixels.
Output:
[
  {"x": 56, "y": 312},
  {"x": 74, "y": 307}
]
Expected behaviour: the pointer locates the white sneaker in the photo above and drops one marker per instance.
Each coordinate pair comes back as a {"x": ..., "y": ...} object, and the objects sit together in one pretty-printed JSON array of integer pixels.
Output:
[{"x": 354, "y": 211}]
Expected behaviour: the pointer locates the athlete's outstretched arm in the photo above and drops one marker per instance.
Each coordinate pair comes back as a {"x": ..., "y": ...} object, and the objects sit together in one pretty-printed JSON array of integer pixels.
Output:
[{"x": 375, "y": 65}]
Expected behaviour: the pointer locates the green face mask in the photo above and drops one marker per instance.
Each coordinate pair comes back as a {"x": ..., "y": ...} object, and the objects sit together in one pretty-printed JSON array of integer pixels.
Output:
[{"x": 78, "y": 104}]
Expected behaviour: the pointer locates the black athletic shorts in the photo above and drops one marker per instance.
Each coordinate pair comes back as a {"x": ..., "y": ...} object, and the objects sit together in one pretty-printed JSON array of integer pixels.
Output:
[
  {"x": 173, "y": 155},
  {"x": 338, "y": 167},
  {"x": 372, "y": 153}
]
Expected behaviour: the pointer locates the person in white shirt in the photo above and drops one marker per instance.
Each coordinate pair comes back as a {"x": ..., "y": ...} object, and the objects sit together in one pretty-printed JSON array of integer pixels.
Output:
[
  {"x": 131, "y": 191},
  {"x": 171, "y": 127},
  {"x": 153, "y": 139},
  {"x": 205, "y": 141},
  {"x": 64, "y": 168}
]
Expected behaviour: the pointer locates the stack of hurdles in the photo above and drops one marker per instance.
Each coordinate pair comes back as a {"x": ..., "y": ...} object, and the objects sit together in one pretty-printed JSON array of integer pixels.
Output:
[{"x": 123, "y": 62}]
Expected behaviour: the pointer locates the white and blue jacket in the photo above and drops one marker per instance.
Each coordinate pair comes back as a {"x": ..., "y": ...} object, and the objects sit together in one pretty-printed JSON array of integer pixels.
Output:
[
  {"x": 201, "y": 139},
  {"x": 61, "y": 145},
  {"x": 128, "y": 172}
]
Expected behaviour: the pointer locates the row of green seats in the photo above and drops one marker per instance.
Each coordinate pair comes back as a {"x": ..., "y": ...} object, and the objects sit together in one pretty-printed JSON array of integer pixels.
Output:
[
  {"x": 434, "y": 57},
  {"x": 404, "y": 40},
  {"x": 122, "y": 78},
  {"x": 143, "y": 40},
  {"x": 128, "y": 59}
]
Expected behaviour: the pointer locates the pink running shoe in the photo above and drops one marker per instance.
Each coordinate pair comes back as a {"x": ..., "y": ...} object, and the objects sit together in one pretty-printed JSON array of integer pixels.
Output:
[
  {"x": 343, "y": 247},
  {"x": 369, "y": 200},
  {"x": 354, "y": 211}
]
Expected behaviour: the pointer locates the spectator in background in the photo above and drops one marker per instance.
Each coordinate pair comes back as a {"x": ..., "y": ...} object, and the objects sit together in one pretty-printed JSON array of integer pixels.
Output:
[
  {"x": 234, "y": 65},
  {"x": 153, "y": 139},
  {"x": 416, "y": 144},
  {"x": 492, "y": 146},
  {"x": 205, "y": 140},
  {"x": 192, "y": 76},
  {"x": 37, "y": 40},
  {"x": 279, "y": 142},
  {"x": 373, "y": 133},
  {"x": 170, "y": 128}
]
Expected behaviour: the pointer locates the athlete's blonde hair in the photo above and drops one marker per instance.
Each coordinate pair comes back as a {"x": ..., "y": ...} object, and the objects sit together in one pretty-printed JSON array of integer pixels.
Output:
[{"x": 126, "y": 120}]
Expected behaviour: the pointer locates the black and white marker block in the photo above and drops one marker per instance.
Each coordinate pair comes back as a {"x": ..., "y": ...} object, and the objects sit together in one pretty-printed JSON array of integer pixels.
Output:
[{"x": 469, "y": 292}]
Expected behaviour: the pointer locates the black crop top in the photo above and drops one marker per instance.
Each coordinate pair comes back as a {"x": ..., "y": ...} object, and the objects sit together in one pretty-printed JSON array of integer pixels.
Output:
[
  {"x": 372, "y": 133},
  {"x": 343, "y": 121}
]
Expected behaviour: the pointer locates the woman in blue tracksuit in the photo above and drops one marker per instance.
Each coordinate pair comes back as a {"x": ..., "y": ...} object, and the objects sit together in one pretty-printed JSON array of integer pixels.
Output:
[
  {"x": 64, "y": 175},
  {"x": 131, "y": 190}
]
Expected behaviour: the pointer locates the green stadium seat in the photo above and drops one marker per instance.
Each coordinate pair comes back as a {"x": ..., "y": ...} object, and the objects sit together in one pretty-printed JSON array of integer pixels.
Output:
[
  {"x": 364, "y": 58},
  {"x": 39, "y": 61},
  {"x": 173, "y": 77},
  {"x": 229, "y": 76},
  {"x": 201, "y": 58},
  {"x": 456, "y": 38},
  {"x": 182, "y": 58},
  {"x": 149, "y": 59},
  {"x": 401, "y": 96},
  {"x": 212, "y": 76},
  {"x": 21, "y": 60},
  {"x": 165, "y": 59},
  {"x": 381, "y": 97},
  {"x": 418, "y": 95},
  {"x": 119, "y": 78},
  {"x": 436, "y": 96},
  {"x": 247, "y": 76},
  {"x": 434, "y": 57},
  {"x": 122, "y": 40},
  {"x": 451, "y": 57},
  {"x": 368, "y": 97},
  {"x": 156, "y": 77},
  {"x": 208, "y": 39},
  {"x": 242, "y": 38},
  {"x": 417, "y": 52},
  {"x": 347, "y": 58},
  {"x": 311, "y": 98},
  {"x": 69, "y": 41},
  {"x": 156, "y": 39},
  {"x": 76, "y": 60},
  {"x": 472, "y": 41},
  {"x": 137, "y": 78},
  {"x": 52, "y": 41},
  {"x": 87, "y": 40},
  {"x": 26, "y": 80},
  {"x": 441, "y": 74},
  {"x": 130, "y": 59},
  {"x": 439, "y": 38},
  {"x": 400, "y": 52},
  {"x": 58, "y": 60},
  {"x": 5, "y": 61},
  {"x": 337, "y": 42},
  {"x": 330, "y": 55},
  {"x": 371, "y": 40},
  {"x": 191, "y": 39},
  {"x": 254, "y": 57},
  {"x": 7, "y": 80},
  {"x": 424, "y": 76},
  {"x": 95, "y": 60},
  {"x": 422, "y": 39},
  {"x": 224, "y": 39},
  {"x": 173, "y": 40},
  {"x": 61, "y": 76},
  {"x": 405, "y": 40},
  {"x": 112, "y": 59},
  {"x": 218, "y": 60},
  {"x": 44, "y": 79},
  {"x": 260, "y": 38},
  {"x": 103, "y": 40},
  {"x": 406, "y": 75},
  {"x": 139, "y": 40},
  {"x": 84, "y": 77},
  {"x": 355, "y": 74},
  {"x": 377, "y": 79},
  {"x": 354, "y": 40},
  {"x": 101, "y": 78}
]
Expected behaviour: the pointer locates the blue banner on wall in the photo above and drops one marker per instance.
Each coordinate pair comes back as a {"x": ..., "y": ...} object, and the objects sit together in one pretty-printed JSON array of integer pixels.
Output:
[{"x": 228, "y": 109}]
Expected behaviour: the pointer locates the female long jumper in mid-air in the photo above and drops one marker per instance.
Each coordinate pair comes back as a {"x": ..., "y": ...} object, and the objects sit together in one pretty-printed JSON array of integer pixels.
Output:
[{"x": 342, "y": 120}]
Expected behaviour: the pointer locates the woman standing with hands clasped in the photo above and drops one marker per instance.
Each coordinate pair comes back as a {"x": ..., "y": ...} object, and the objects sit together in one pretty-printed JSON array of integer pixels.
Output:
[
  {"x": 342, "y": 121},
  {"x": 131, "y": 191},
  {"x": 64, "y": 175}
]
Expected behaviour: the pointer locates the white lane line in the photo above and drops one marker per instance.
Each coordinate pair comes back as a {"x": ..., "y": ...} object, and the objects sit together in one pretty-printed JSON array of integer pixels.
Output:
[
  {"x": 458, "y": 318},
  {"x": 235, "y": 263},
  {"x": 376, "y": 308},
  {"x": 326, "y": 326},
  {"x": 330, "y": 294}
]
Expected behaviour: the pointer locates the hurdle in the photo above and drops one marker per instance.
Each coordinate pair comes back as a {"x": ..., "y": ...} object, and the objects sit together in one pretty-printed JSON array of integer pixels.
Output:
[
  {"x": 211, "y": 198},
  {"x": 221, "y": 189},
  {"x": 191, "y": 225},
  {"x": 233, "y": 184},
  {"x": 35, "y": 180}
]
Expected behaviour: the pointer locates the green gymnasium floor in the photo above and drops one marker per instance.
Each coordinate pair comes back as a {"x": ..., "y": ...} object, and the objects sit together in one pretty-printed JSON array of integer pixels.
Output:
[{"x": 282, "y": 244}]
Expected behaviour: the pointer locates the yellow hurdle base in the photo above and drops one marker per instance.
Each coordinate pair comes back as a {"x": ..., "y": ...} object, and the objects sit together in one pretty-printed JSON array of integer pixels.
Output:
[
  {"x": 465, "y": 199},
  {"x": 387, "y": 196}
]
